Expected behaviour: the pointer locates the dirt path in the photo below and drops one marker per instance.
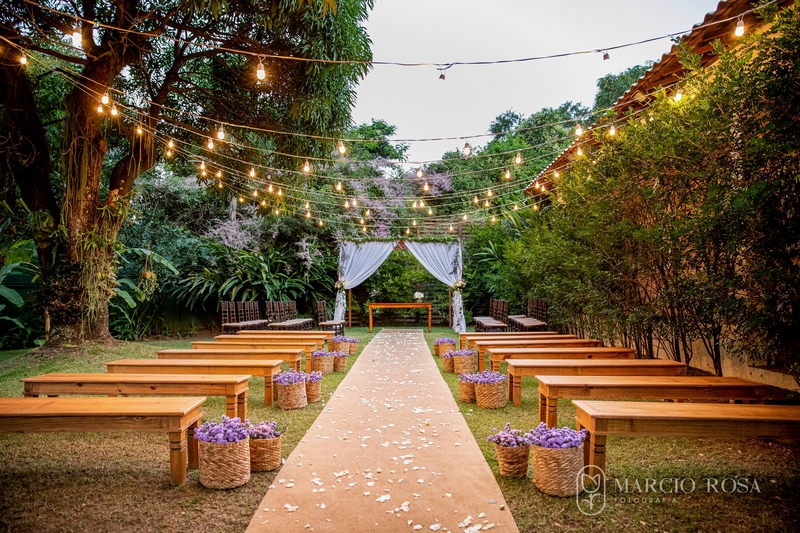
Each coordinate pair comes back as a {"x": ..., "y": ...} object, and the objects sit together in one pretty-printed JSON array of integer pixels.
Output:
[{"x": 390, "y": 452}]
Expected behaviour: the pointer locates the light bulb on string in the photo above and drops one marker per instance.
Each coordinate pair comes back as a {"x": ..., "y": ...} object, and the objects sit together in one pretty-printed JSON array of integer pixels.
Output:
[
  {"x": 203, "y": 173},
  {"x": 507, "y": 175},
  {"x": 414, "y": 222},
  {"x": 261, "y": 74},
  {"x": 263, "y": 203},
  {"x": 114, "y": 111},
  {"x": 307, "y": 206},
  {"x": 489, "y": 193},
  {"x": 168, "y": 153},
  {"x": 430, "y": 211},
  {"x": 364, "y": 229},
  {"x": 320, "y": 223},
  {"x": 341, "y": 148},
  {"x": 361, "y": 220},
  {"x": 280, "y": 191},
  {"x": 419, "y": 172},
  {"x": 219, "y": 185},
  {"x": 170, "y": 144},
  {"x": 516, "y": 207},
  {"x": 678, "y": 95},
  {"x": 338, "y": 186},
  {"x": 486, "y": 204},
  {"x": 221, "y": 133},
  {"x": 306, "y": 167},
  {"x": 77, "y": 39},
  {"x": 277, "y": 211},
  {"x": 23, "y": 59},
  {"x": 270, "y": 188},
  {"x": 493, "y": 219},
  {"x": 347, "y": 204},
  {"x": 354, "y": 202},
  {"x": 467, "y": 150},
  {"x": 556, "y": 173},
  {"x": 612, "y": 130},
  {"x": 422, "y": 203},
  {"x": 450, "y": 227},
  {"x": 578, "y": 130},
  {"x": 210, "y": 144},
  {"x": 99, "y": 108},
  {"x": 255, "y": 193},
  {"x": 368, "y": 213},
  {"x": 465, "y": 217},
  {"x": 308, "y": 214},
  {"x": 139, "y": 129},
  {"x": 104, "y": 99},
  {"x": 426, "y": 187},
  {"x": 202, "y": 165},
  {"x": 580, "y": 151},
  {"x": 475, "y": 200},
  {"x": 408, "y": 231},
  {"x": 518, "y": 159},
  {"x": 219, "y": 174},
  {"x": 739, "y": 31},
  {"x": 252, "y": 172}
]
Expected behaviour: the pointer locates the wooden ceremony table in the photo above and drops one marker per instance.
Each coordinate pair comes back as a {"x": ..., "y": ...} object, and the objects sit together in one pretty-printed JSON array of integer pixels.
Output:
[
  {"x": 498, "y": 355},
  {"x": 465, "y": 338},
  {"x": 175, "y": 416},
  {"x": 427, "y": 306},
  {"x": 265, "y": 368},
  {"x": 519, "y": 368},
  {"x": 551, "y": 388},
  {"x": 659, "y": 419},
  {"x": 498, "y": 347},
  {"x": 287, "y": 355},
  {"x": 234, "y": 388}
]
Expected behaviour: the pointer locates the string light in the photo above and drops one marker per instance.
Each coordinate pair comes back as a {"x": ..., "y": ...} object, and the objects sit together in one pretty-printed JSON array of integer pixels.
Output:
[
  {"x": 219, "y": 174},
  {"x": 408, "y": 231},
  {"x": 104, "y": 99},
  {"x": 263, "y": 203},
  {"x": 221, "y": 133},
  {"x": 465, "y": 217},
  {"x": 307, "y": 167},
  {"x": 347, "y": 204},
  {"x": 364, "y": 229},
  {"x": 342, "y": 148},
  {"x": 277, "y": 211},
  {"x": 255, "y": 193},
  {"x": 426, "y": 187},
  {"x": 535, "y": 207},
  {"x": 270, "y": 189},
  {"x": 415, "y": 204},
  {"x": 486, "y": 203},
  {"x": 578, "y": 130},
  {"x": 320, "y": 223},
  {"x": 368, "y": 212},
  {"x": 252, "y": 172},
  {"x": 556, "y": 174},
  {"x": 241, "y": 199},
  {"x": 308, "y": 214},
  {"x": 430, "y": 212},
  {"x": 307, "y": 206},
  {"x": 414, "y": 222},
  {"x": 338, "y": 186},
  {"x": 261, "y": 74},
  {"x": 475, "y": 200},
  {"x": 516, "y": 207},
  {"x": 493, "y": 219},
  {"x": 139, "y": 129},
  {"x": 280, "y": 191},
  {"x": 99, "y": 108},
  {"x": 518, "y": 159},
  {"x": 361, "y": 220},
  {"x": 419, "y": 172},
  {"x": 678, "y": 95},
  {"x": 203, "y": 173},
  {"x": 580, "y": 151},
  {"x": 450, "y": 227},
  {"x": 77, "y": 39},
  {"x": 170, "y": 144},
  {"x": 210, "y": 144},
  {"x": 23, "y": 59},
  {"x": 612, "y": 130},
  {"x": 168, "y": 153},
  {"x": 219, "y": 185},
  {"x": 507, "y": 175},
  {"x": 422, "y": 203},
  {"x": 739, "y": 31},
  {"x": 114, "y": 111},
  {"x": 202, "y": 165},
  {"x": 467, "y": 150},
  {"x": 489, "y": 193},
  {"x": 354, "y": 202}
]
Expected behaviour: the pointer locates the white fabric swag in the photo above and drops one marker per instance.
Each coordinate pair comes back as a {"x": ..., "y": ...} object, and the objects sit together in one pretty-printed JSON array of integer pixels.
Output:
[
  {"x": 357, "y": 262},
  {"x": 443, "y": 260}
]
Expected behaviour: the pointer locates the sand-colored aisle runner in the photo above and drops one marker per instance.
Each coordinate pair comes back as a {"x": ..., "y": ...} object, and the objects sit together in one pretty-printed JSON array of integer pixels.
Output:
[{"x": 390, "y": 452}]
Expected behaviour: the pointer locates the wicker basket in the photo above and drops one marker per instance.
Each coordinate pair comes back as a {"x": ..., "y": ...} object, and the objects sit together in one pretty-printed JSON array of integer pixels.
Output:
[
  {"x": 224, "y": 466},
  {"x": 556, "y": 469},
  {"x": 467, "y": 390},
  {"x": 291, "y": 396},
  {"x": 448, "y": 364},
  {"x": 490, "y": 395},
  {"x": 340, "y": 364},
  {"x": 340, "y": 347},
  {"x": 312, "y": 391},
  {"x": 323, "y": 363},
  {"x": 513, "y": 460},
  {"x": 463, "y": 364},
  {"x": 265, "y": 454},
  {"x": 353, "y": 348},
  {"x": 444, "y": 348}
]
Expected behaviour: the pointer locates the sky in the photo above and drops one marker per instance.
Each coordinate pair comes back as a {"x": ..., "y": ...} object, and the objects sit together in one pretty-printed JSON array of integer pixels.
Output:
[{"x": 419, "y": 104}]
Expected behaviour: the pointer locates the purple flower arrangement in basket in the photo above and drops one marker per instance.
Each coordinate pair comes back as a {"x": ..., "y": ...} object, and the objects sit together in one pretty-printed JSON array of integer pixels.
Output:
[
  {"x": 565, "y": 437},
  {"x": 223, "y": 431},
  {"x": 340, "y": 354},
  {"x": 264, "y": 430},
  {"x": 458, "y": 353},
  {"x": 312, "y": 377},
  {"x": 444, "y": 340},
  {"x": 511, "y": 438},
  {"x": 466, "y": 378},
  {"x": 340, "y": 338},
  {"x": 352, "y": 340},
  {"x": 289, "y": 377},
  {"x": 323, "y": 353},
  {"x": 489, "y": 376}
]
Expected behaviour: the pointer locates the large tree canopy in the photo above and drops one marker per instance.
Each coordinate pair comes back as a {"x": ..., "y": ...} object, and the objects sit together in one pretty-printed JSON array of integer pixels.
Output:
[{"x": 169, "y": 75}]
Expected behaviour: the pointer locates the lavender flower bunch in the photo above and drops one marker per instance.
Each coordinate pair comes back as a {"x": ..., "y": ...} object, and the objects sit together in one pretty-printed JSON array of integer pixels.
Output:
[
  {"x": 312, "y": 377},
  {"x": 323, "y": 353},
  {"x": 289, "y": 377},
  {"x": 223, "y": 431},
  {"x": 340, "y": 354},
  {"x": 352, "y": 340},
  {"x": 444, "y": 340},
  {"x": 264, "y": 430},
  {"x": 511, "y": 438},
  {"x": 489, "y": 376},
  {"x": 458, "y": 353},
  {"x": 557, "y": 437},
  {"x": 466, "y": 378},
  {"x": 340, "y": 338}
]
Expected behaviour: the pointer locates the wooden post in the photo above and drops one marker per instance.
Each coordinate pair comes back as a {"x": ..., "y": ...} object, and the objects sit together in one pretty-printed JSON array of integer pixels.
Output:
[
  {"x": 450, "y": 306},
  {"x": 349, "y": 308}
]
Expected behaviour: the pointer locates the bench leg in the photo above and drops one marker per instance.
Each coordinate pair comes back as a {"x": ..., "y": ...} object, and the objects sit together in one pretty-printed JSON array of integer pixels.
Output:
[
  {"x": 177, "y": 457},
  {"x": 542, "y": 408},
  {"x": 516, "y": 389},
  {"x": 268, "y": 390},
  {"x": 230, "y": 406},
  {"x": 594, "y": 453},
  {"x": 552, "y": 412},
  {"x": 481, "y": 362},
  {"x": 194, "y": 446},
  {"x": 296, "y": 365},
  {"x": 241, "y": 405}
]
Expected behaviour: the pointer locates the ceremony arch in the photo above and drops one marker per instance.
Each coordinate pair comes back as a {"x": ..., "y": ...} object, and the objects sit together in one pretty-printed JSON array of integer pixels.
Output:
[{"x": 359, "y": 260}]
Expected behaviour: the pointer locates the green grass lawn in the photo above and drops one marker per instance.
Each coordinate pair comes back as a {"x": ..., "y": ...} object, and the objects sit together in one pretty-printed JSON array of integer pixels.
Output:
[{"x": 120, "y": 482}]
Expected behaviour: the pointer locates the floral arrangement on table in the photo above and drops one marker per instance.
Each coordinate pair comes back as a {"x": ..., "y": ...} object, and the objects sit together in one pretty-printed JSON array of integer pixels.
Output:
[
  {"x": 265, "y": 446},
  {"x": 419, "y": 295},
  {"x": 512, "y": 447},
  {"x": 443, "y": 344},
  {"x": 290, "y": 386},
  {"x": 224, "y": 453},
  {"x": 490, "y": 389},
  {"x": 558, "y": 456}
]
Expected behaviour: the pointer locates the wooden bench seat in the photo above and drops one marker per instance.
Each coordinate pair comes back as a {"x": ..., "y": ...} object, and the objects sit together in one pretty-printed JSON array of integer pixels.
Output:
[
  {"x": 178, "y": 417},
  {"x": 469, "y": 341},
  {"x": 293, "y": 323},
  {"x": 265, "y": 368},
  {"x": 553, "y": 341},
  {"x": 307, "y": 345},
  {"x": 293, "y": 357},
  {"x": 498, "y": 355},
  {"x": 283, "y": 333},
  {"x": 520, "y": 368},
  {"x": 658, "y": 419},
  {"x": 464, "y": 338},
  {"x": 551, "y": 388},
  {"x": 234, "y": 388},
  {"x": 524, "y": 323}
]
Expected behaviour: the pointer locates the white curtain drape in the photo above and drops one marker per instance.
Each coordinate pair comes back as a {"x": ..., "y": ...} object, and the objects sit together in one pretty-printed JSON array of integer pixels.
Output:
[
  {"x": 443, "y": 260},
  {"x": 357, "y": 262}
]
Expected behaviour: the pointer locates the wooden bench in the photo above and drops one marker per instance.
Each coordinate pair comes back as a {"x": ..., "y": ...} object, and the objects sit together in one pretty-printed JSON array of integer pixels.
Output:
[
  {"x": 482, "y": 345},
  {"x": 287, "y": 355},
  {"x": 498, "y": 355},
  {"x": 307, "y": 345},
  {"x": 234, "y": 388},
  {"x": 520, "y": 368},
  {"x": 275, "y": 334},
  {"x": 469, "y": 341},
  {"x": 551, "y": 388},
  {"x": 524, "y": 323},
  {"x": 464, "y": 338},
  {"x": 657, "y": 419},
  {"x": 178, "y": 417},
  {"x": 265, "y": 368}
]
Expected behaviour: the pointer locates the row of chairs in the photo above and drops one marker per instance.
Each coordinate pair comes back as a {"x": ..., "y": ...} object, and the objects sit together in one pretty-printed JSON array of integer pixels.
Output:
[
  {"x": 497, "y": 319},
  {"x": 500, "y": 320},
  {"x": 238, "y": 316}
]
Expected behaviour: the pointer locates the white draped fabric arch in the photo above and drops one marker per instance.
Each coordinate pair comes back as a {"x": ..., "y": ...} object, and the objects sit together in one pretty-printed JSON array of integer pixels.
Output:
[{"x": 358, "y": 261}]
